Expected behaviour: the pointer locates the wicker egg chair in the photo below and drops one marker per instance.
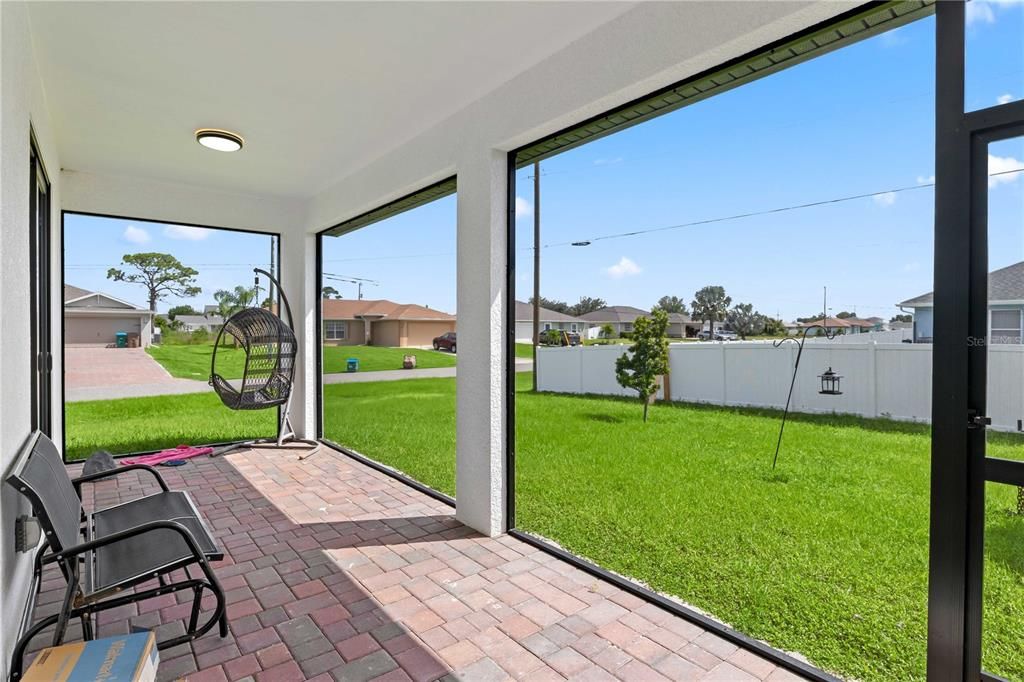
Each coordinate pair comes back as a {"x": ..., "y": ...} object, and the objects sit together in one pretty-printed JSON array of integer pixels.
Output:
[{"x": 270, "y": 348}]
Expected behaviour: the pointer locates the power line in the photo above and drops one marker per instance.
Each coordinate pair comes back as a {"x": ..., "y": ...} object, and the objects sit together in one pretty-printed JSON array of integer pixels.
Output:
[{"x": 751, "y": 214}]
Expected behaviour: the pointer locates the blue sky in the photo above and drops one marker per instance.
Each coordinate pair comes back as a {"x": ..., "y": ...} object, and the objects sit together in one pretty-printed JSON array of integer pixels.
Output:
[
  {"x": 223, "y": 258},
  {"x": 859, "y": 120}
]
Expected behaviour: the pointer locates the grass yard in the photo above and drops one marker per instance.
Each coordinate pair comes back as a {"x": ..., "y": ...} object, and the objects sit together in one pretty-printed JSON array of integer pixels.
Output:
[
  {"x": 408, "y": 425},
  {"x": 378, "y": 358},
  {"x": 826, "y": 556},
  {"x": 139, "y": 424},
  {"x": 524, "y": 350},
  {"x": 193, "y": 362}
]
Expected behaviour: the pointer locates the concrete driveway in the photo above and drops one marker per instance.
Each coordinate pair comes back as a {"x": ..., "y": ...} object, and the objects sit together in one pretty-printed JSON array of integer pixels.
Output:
[{"x": 96, "y": 373}]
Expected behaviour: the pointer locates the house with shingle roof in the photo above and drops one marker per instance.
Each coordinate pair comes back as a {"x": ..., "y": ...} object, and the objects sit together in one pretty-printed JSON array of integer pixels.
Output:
[
  {"x": 622, "y": 317},
  {"x": 350, "y": 322},
  {"x": 1005, "y": 307},
  {"x": 549, "y": 319}
]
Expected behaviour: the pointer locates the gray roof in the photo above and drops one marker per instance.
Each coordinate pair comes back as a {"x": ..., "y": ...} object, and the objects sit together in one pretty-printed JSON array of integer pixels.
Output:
[
  {"x": 615, "y": 313},
  {"x": 524, "y": 313},
  {"x": 1005, "y": 284},
  {"x": 72, "y": 292},
  {"x": 627, "y": 313}
]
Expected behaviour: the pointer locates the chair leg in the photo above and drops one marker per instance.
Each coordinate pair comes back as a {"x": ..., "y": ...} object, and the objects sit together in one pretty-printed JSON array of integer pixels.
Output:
[
  {"x": 63, "y": 615},
  {"x": 18, "y": 656},
  {"x": 87, "y": 633}
]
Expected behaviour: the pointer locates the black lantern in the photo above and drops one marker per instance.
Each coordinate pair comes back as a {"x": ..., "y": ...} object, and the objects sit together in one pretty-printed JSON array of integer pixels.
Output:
[{"x": 830, "y": 383}]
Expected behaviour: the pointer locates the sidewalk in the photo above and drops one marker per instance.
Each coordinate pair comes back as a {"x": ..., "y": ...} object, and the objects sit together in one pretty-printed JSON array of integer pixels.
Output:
[{"x": 182, "y": 386}]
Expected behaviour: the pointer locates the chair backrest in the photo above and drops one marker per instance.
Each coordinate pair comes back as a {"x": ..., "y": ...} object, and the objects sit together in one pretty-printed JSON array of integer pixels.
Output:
[{"x": 39, "y": 475}]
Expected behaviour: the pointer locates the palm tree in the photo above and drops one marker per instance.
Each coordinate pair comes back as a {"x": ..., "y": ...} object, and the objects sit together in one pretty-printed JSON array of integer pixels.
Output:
[{"x": 230, "y": 302}]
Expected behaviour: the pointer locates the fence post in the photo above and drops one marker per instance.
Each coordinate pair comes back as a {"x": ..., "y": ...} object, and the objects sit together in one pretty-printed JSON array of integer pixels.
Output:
[
  {"x": 873, "y": 373},
  {"x": 725, "y": 383}
]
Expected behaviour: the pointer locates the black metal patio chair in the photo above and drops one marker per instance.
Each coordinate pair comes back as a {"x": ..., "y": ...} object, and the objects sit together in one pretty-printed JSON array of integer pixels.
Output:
[{"x": 110, "y": 551}]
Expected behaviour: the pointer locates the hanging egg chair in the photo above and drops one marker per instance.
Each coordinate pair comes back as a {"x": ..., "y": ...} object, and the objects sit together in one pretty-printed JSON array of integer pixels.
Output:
[{"x": 270, "y": 347}]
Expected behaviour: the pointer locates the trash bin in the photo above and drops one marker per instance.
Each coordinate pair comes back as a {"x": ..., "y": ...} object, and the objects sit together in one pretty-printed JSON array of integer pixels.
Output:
[
  {"x": 121, "y": 339},
  {"x": 353, "y": 365}
]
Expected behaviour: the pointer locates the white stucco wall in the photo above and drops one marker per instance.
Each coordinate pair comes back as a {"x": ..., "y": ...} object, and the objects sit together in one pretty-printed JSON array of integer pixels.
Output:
[{"x": 22, "y": 103}]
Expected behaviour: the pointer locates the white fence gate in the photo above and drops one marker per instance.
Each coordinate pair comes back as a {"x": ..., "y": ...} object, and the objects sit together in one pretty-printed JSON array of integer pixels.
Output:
[{"x": 891, "y": 380}]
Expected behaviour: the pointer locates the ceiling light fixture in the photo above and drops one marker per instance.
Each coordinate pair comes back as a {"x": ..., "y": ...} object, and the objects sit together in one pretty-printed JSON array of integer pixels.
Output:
[{"x": 220, "y": 140}]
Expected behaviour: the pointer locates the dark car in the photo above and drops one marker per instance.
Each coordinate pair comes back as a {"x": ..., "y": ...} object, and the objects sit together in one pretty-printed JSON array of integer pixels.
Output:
[{"x": 445, "y": 342}]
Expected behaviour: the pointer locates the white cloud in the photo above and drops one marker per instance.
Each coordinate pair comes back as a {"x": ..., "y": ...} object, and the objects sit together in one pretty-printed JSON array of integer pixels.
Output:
[
  {"x": 1004, "y": 99},
  {"x": 885, "y": 199},
  {"x": 978, "y": 10},
  {"x": 624, "y": 268},
  {"x": 926, "y": 180},
  {"x": 983, "y": 10},
  {"x": 1001, "y": 164},
  {"x": 188, "y": 232},
  {"x": 135, "y": 235},
  {"x": 523, "y": 208}
]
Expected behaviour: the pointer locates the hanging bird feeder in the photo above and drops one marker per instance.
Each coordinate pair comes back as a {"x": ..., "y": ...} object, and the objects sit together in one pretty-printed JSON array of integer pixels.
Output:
[{"x": 830, "y": 383}]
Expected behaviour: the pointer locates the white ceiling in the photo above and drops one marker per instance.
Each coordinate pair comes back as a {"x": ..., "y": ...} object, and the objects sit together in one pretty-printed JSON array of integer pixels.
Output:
[{"x": 316, "y": 89}]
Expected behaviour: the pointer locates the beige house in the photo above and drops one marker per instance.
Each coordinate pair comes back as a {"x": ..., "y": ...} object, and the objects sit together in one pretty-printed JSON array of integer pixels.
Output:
[
  {"x": 382, "y": 323},
  {"x": 93, "y": 318}
]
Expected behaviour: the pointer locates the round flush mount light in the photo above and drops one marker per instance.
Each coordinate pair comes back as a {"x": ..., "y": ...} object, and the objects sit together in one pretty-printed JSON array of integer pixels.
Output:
[{"x": 220, "y": 140}]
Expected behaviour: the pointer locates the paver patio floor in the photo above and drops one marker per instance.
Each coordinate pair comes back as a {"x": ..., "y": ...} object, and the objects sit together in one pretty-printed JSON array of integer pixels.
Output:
[{"x": 335, "y": 571}]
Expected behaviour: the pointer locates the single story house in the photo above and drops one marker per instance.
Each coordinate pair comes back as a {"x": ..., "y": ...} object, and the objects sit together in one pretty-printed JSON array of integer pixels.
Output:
[
  {"x": 211, "y": 322},
  {"x": 350, "y": 322},
  {"x": 549, "y": 319},
  {"x": 93, "y": 318},
  {"x": 622, "y": 317},
  {"x": 1005, "y": 307}
]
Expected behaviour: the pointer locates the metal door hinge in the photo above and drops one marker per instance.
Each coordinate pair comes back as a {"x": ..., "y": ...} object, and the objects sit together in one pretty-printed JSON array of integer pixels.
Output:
[{"x": 977, "y": 421}]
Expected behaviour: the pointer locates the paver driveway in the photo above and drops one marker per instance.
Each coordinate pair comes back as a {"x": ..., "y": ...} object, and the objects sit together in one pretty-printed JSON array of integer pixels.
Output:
[{"x": 95, "y": 373}]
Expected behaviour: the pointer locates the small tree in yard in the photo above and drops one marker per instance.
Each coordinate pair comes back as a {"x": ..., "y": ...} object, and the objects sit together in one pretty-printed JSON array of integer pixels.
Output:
[
  {"x": 607, "y": 331},
  {"x": 162, "y": 274},
  {"x": 744, "y": 320},
  {"x": 647, "y": 359}
]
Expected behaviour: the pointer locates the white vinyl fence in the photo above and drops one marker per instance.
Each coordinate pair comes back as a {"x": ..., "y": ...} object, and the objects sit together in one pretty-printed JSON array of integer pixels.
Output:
[{"x": 891, "y": 380}]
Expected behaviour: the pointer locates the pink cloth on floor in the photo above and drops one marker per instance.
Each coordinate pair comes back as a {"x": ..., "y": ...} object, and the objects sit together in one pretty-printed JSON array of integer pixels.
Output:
[{"x": 180, "y": 452}]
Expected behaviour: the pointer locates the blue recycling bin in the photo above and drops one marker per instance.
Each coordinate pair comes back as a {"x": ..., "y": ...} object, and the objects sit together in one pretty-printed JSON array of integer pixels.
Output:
[
  {"x": 353, "y": 365},
  {"x": 121, "y": 339}
]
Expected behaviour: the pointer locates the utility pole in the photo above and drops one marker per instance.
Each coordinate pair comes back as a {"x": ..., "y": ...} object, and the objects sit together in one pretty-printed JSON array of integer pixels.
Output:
[
  {"x": 270, "y": 285},
  {"x": 536, "y": 267},
  {"x": 824, "y": 309}
]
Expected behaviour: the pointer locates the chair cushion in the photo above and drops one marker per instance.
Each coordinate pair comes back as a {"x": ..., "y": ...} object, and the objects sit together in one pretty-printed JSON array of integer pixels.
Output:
[{"x": 151, "y": 552}]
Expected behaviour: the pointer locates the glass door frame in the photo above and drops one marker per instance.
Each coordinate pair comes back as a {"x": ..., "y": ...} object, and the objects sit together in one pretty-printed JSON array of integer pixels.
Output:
[
  {"x": 40, "y": 295},
  {"x": 960, "y": 468}
]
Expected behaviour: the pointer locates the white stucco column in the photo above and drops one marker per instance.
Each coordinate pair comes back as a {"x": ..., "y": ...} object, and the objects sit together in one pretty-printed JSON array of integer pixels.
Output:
[
  {"x": 480, "y": 383},
  {"x": 298, "y": 271}
]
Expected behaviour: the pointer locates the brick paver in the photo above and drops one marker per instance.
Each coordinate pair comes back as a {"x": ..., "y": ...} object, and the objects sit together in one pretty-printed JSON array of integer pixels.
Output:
[{"x": 337, "y": 572}]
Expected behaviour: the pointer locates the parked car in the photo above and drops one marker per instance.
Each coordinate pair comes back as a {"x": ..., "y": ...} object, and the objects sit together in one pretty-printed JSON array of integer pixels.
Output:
[
  {"x": 720, "y": 335},
  {"x": 445, "y": 342},
  {"x": 557, "y": 337}
]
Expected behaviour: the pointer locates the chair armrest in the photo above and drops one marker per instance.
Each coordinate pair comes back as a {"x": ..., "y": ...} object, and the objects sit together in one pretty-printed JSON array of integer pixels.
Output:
[
  {"x": 84, "y": 547},
  {"x": 89, "y": 478}
]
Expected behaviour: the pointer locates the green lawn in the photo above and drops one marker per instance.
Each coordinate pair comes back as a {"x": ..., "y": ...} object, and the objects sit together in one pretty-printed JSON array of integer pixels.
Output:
[
  {"x": 139, "y": 424},
  {"x": 193, "y": 362},
  {"x": 826, "y": 556},
  {"x": 524, "y": 350},
  {"x": 377, "y": 358}
]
